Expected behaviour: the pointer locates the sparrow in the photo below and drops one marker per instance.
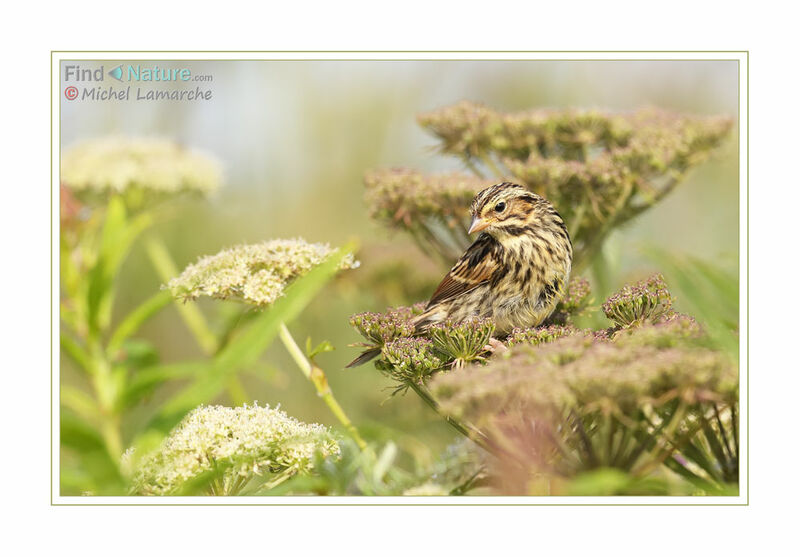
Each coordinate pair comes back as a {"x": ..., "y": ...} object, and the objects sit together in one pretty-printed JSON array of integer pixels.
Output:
[
  {"x": 515, "y": 272},
  {"x": 517, "y": 269}
]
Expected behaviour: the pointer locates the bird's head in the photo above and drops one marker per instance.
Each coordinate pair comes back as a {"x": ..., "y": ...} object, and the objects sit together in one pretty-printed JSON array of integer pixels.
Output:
[{"x": 506, "y": 209}]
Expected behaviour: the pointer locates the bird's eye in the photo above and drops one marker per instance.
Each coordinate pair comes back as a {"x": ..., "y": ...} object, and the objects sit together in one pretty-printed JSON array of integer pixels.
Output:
[{"x": 500, "y": 207}]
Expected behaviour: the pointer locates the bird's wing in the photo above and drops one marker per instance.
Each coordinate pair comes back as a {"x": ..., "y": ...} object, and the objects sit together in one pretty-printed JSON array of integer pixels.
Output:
[{"x": 477, "y": 266}]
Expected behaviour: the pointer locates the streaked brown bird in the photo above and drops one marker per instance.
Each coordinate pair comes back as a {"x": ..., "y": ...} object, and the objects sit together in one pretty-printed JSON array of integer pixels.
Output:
[
  {"x": 517, "y": 269},
  {"x": 515, "y": 272}
]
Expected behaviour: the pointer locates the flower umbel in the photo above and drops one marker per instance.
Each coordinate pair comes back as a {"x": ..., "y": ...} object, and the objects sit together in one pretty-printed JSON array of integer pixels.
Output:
[
  {"x": 380, "y": 328},
  {"x": 599, "y": 169},
  {"x": 419, "y": 204},
  {"x": 647, "y": 300},
  {"x": 540, "y": 335},
  {"x": 411, "y": 359},
  {"x": 574, "y": 302},
  {"x": 247, "y": 441},
  {"x": 117, "y": 164},
  {"x": 577, "y": 403},
  {"x": 461, "y": 342},
  {"x": 256, "y": 274},
  {"x": 577, "y": 296},
  {"x": 411, "y": 355}
]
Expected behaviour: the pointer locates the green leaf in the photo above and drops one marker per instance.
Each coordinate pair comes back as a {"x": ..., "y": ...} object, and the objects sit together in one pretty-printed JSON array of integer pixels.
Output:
[
  {"x": 324, "y": 346},
  {"x": 100, "y": 471},
  {"x": 77, "y": 353},
  {"x": 79, "y": 435},
  {"x": 116, "y": 239},
  {"x": 137, "y": 354},
  {"x": 101, "y": 275},
  {"x": 148, "y": 379},
  {"x": 710, "y": 294},
  {"x": 93, "y": 470},
  {"x": 605, "y": 481},
  {"x": 707, "y": 486},
  {"x": 713, "y": 443},
  {"x": 131, "y": 323},
  {"x": 697, "y": 454},
  {"x": 610, "y": 481},
  {"x": 201, "y": 483},
  {"x": 247, "y": 347},
  {"x": 81, "y": 403}
]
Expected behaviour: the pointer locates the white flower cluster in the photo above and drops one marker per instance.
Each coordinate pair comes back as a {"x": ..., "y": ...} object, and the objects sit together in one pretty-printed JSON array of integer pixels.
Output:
[
  {"x": 117, "y": 164},
  {"x": 256, "y": 274},
  {"x": 249, "y": 440}
]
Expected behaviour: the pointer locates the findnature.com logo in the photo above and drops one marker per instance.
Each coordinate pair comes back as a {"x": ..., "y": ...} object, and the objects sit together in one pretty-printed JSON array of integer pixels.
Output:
[{"x": 142, "y": 76}]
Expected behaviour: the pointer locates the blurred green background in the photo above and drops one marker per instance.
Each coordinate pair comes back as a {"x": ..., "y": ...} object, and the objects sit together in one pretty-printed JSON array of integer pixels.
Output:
[{"x": 295, "y": 139}]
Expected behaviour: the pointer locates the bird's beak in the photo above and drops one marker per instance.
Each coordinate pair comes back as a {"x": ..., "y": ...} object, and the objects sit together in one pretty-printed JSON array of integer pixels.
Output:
[{"x": 477, "y": 225}]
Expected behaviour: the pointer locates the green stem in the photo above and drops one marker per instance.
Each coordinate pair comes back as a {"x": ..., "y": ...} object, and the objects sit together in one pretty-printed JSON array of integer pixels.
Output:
[
  {"x": 135, "y": 319},
  {"x": 74, "y": 350},
  {"x": 591, "y": 458},
  {"x": 468, "y": 430},
  {"x": 314, "y": 374},
  {"x": 166, "y": 269},
  {"x": 106, "y": 394},
  {"x": 276, "y": 482},
  {"x": 112, "y": 436},
  {"x": 665, "y": 444},
  {"x": 611, "y": 426},
  {"x": 722, "y": 432},
  {"x": 624, "y": 446}
]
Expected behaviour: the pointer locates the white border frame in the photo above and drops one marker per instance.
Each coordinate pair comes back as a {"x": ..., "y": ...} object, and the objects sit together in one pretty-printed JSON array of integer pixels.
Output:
[{"x": 743, "y": 117}]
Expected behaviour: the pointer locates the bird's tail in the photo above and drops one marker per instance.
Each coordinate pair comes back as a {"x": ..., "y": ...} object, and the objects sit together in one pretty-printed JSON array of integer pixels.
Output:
[
  {"x": 364, "y": 357},
  {"x": 425, "y": 319}
]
